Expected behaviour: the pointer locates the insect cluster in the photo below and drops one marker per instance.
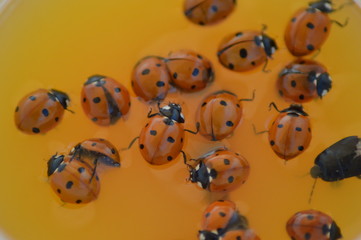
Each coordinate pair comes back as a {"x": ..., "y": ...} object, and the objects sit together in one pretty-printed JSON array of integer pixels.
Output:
[{"x": 74, "y": 178}]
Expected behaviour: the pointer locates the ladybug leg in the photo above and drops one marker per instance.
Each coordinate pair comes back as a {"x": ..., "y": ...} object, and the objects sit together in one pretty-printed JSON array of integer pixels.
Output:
[
  {"x": 272, "y": 104},
  {"x": 265, "y": 66},
  {"x": 130, "y": 144},
  {"x": 340, "y": 24},
  {"x": 194, "y": 132},
  {"x": 316, "y": 54},
  {"x": 249, "y": 99},
  {"x": 150, "y": 115},
  {"x": 94, "y": 170},
  {"x": 255, "y": 130}
]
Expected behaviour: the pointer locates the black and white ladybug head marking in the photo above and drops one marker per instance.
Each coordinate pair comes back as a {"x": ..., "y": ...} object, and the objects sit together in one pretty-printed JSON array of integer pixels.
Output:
[
  {"x": 295, "y": 110},
  {"x": 207, "y": 235},
  {"x": 202, "y": 175},
  {"x": 269, "y": 44},
  {"x": 61, "y": 97},
  {"x": 322, "y": 81},
  {"x": 323, "y": 6},
  {"x": 173, "y": 112},
  {"x": 95, "y": 79},
  {"x": 54, "y": 163}
]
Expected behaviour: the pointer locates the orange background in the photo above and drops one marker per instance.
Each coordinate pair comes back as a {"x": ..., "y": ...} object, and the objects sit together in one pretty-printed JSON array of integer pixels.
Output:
[{"x": 58, "y": 44}]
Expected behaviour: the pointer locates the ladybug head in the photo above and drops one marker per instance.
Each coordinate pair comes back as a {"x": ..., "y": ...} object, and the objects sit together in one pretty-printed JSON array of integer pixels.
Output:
[
  {"x": 208, "y": 235},
  {"x": 323, "y": 83},
  {"x": 54, "y": 163},
  {"x": 322, "y": 5},
  {"x": 269, "y": 44},
  {"x": 295, "y": 110},
  {"x": 335, "y": 232},
  {"x": 173, "y": 112},
  {"x": 95, "y": 79},
  {"x": 61, "y": 97},
  {"x": 202, "y": 175}
]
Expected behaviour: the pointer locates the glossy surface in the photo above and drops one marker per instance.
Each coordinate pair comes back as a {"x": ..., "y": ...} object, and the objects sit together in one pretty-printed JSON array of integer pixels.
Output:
[
  {"x": 150, "y": 78},
  {"x": 312, "y": 225},
  {"x": 219, "y": 115},
  {"x": 307, "y": 30},
  {"x": 293, "y": 83},
  {"x": 207, "y": 12},
  {"x": 38, "y": 113},
  {"x": 105, "y": 101},
  {"x": 190, "y": 71}
]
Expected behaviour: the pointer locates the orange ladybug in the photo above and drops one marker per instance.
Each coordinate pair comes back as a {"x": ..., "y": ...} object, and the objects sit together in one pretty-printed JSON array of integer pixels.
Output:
[
  {"x": 189, "y": 70},
  {"x": 219, "y": 114},
  {"x": 246, "y": 50},
  {"x": 220, "y": 170},
  {"x": 290, "y": 132},
  {"x": 40, "y": 111},
  {"x": 104, "y": 100},
  {"x": 72, "y": 180},
  {"x": 304, "y": 80},
  {"x": 309, "y": 28},
  {"x": 243, "y": 234},
  {"x": 207, "y": 12},
  {"x": 312, "y": 225},
  {"x": 150, "y": 79}
]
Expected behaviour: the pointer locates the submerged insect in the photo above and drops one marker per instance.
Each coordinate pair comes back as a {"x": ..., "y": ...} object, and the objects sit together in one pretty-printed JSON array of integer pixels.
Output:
[
  {"x": 41, "y": 110},
  {"x": 220, "y": 170},
  {"x": 104, "y": 100},
  {"x": 207, "y": 12},
  {"x": 246, "y": 50},
  {"x": 312, "y": 225},
  {"x": 304, "y": 80}
]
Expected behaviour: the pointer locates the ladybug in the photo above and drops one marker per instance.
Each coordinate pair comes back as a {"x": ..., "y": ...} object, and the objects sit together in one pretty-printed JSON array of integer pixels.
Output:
[
  {"x": 162, "y": 138},
  {"x": 243, "y": 234},
  {"x": 220, "y": 170},
  {"x": 304, "y": 80},
  {"x": 189, "y": 70},
  {"x": 309, "y": 28},
  {"x": 339, "y": 161},
  {"x": 312, "y": 225},
  {"x": 246, "y": 50},
  {"x": 207, "y": 12},
  {"x": 150, "y": 79},
  {"x": 219, "y": 114},
  {"x": 104, "y": 100},
  {"x": 41, "y": 110},
  {"x": 73, "y": 180},
  {"x": 290, "y": 132}
]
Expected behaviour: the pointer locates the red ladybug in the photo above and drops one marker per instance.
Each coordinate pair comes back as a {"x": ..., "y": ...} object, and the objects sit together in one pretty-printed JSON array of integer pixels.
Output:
[
  {"x": 220, "y": 170},
  {"x": 246, "y": 50},
  {"x": 312, "y": 225},
  {"x": 207, "y": 12},
  {"x": 104, "y": 100},
  {"x": 304, "y": 80},
  {"x": 162, "y": 138},
  {"x": 290, "y": 132},
  {"x": 309, "y": 28},
  {"x": 40, "y": 111},
  {"x": 219, "y": 114},
  {"x": 150, "y": 78},
  {"x": 73, "y": 180},
  {"x": 189, "y": 71},
  {"x": 240, "y": 234}
]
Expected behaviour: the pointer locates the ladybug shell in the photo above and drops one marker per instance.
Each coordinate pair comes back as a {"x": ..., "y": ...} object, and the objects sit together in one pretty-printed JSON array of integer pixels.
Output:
[
  {"x": 70, "y": 181},
  {"x": 312, "y": 225},
  {"x": 160, "y": 142},
  {"x": 227, "y": 170},
  {"x": 290, "y": 135},
  {"x": 189, "y": 71},
  {"x": 219, "y": 115},
  {"x": 207, "y": 12},
  {"x": 243, "y": 234},
  {"x": 104, "y": 100},
  {"x": 150, "y": 78},
  {"x": 38, "y": 112},
  {"x": 296, "y": 87},
  {"x": 98, "y": 148},
  {"x": 307, "y": 31}
]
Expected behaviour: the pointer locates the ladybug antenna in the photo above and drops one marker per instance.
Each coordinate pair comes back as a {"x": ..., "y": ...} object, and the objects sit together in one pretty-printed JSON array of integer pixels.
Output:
[
  {"x": 130, "y": 144},
  {"x": 70, "y": 110},
  {"x": 255, "y": 130},
  {"x": 272, "y": 104},
  {"x": 351, "y": 2},
  {"x": 340, "y": 24},
  {"x": 312, "y": 190},
  {"x": 264, "y": 69},
  {"x": 249, "y": 99}
]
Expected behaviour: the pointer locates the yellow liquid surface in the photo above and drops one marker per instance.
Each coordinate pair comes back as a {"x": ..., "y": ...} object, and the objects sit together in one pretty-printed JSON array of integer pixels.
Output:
[{"x": 58, "y": 44}]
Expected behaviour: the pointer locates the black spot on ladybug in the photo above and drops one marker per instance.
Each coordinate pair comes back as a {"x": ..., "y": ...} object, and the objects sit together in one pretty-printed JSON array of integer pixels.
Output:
[
  {"x": 310, "y": 47},
  {"x": 222, "y": 214},
  {"x": 96, "y": 100},
  {"x": 17, "y": 109},
  {"x": 253, "y": 63},
  {"x": 141, "y": 146},
  {"x": 280, "y": 125},
  {"x": 195, "y": 72},
  {"x": 238, "y": 238},
  {"x": 94, "y": 119},
  {"x": 226, "y": 162},
  {"x": 201, "y": 23},
  {"x": 132, "y": 83},
  {"x": 298, "y": 129},
  {"x": 309, "y": 129},
  {"x": 214, "y": 8},
  {"x": 243, "y": 53},
  {"x": 36, "y": 130},
  {"x": 203, "y": 104},
  {"x": 223, "y": 103},
  {"x": 307, "y": 236},
  {"x": 45, "y": 112},
  {"x": 239, "y": 34},
  {"x": 69, "y": 184},
  {"x": 97, "y": 178},
  {"x": 238, "y": 105},
  {"x": 78, "y": 201},
  {"x": 181, "y": 140},
  {"x": 207, "y": 214},
  {"x": 117, "y": 90},
  {"x": 129, "y": 104},
  {"x": 146, "y": 125},
  {"x": 293, "y": 83},
  {"x": 169, "y": 158},
  {"x": 81, "y": 170},
  {"x": 300, "y": 148},
  {"x": 61, "y": 167},
  {"x": 58, "y": 190},
  {"x": 153, "y": 132},
  {"x": 32, "y": 98},
  {"x": 272, "y": 142},
  {"x": 231, "y": 179},
  {"x": 302, "y": 62},
  {"x": 230, "y": 66},
  {"x": 310, "y": 217},
  {"x": 325, "y": 29},
  {"x": 301, "y": 97},
  {"x": 84, "y": 99},
  {"x": 158, "y": 65},
  {"x": 145, "y": 71},
  {"x": 160, "y": 84},
  {"x": 280, "y": 92},
  {"x": 310, "y": 25},
  {"x": 229, "y": 123},
  {"x": 170, "y": 139},
  {"x": 113, "y": 151},
  {"x": 93, "y": 144},
  {"x": 199, "y": 56},
  {"x": 175, "y": 75},
  {"x": 293, "y": 20}
]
